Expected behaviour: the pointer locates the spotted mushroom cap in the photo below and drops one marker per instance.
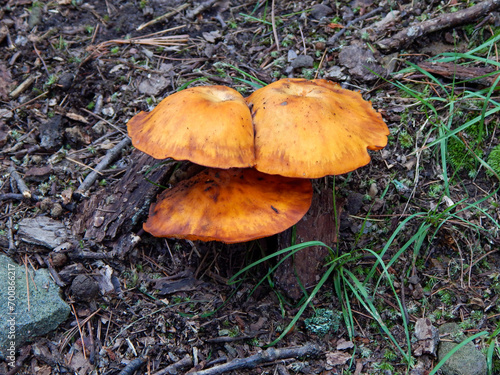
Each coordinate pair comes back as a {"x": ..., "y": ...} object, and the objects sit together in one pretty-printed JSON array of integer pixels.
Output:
[
  {"x": 311, "y": 129},
  {"x": 229, "y": 205}
]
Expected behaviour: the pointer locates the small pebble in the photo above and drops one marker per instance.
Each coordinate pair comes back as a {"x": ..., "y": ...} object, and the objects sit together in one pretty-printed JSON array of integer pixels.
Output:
[{"x": 108, "y": 111}]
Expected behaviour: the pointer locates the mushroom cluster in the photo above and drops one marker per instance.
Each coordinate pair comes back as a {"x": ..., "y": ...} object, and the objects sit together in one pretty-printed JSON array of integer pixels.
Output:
[{"x": 261, "y": 153}]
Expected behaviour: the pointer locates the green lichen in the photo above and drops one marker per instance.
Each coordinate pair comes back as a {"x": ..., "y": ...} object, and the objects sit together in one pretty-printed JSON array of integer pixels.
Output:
[{"x": 323, "y": 321}]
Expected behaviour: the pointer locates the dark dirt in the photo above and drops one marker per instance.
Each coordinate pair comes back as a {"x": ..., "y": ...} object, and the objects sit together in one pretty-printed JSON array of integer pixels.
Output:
[{"x": 70, "y": 79}]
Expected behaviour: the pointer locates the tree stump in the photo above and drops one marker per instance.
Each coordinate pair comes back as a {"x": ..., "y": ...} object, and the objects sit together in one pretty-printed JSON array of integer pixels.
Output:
[{"x": 307, "y": 264}]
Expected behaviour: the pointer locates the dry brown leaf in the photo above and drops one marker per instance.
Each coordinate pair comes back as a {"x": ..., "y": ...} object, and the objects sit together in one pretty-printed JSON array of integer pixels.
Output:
[{"x": 337, "y": 358}]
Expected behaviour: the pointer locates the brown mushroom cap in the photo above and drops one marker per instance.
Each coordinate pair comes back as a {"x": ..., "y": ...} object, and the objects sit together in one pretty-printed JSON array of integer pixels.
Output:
[
  {"x": 208, "y": 125},
  {"x": 311, "y": 129},
  {"x": 233, "y": 205}
]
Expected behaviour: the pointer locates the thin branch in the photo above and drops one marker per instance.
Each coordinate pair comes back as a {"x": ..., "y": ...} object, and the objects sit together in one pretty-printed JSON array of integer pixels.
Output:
[
  {"x": 111, "y": 155},
  {"x": 269, "y": 355},
  {"x": 163, "y": 17},
  {"x": 16, "y": 197},
  {"x": 20, "y": 183},
  {"x": 174, "y": 368}
]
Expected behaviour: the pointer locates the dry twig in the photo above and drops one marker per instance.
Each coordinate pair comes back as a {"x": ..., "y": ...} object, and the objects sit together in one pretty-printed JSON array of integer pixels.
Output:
[
  {"x": 20, "y": 183},
  {"x": 273, "y": 23},
  {"x": 163, "y": 17}
]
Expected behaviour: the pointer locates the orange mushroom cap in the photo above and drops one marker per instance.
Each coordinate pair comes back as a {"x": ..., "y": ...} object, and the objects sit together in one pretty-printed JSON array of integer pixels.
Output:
[
  {"x": 311, "y": 129},
  {"x": 233, "y": 205},
  {"x": 208, "y": 125}
]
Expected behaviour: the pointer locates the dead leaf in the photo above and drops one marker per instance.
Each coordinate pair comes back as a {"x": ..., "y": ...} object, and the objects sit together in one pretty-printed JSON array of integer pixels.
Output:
[
  {"x": 211, "y": 36},
  {"x": 80, "y": 363},
  {"x": 335, "y": 26},
  {"x": 337, "y": 358},
  {"x": 66, "y": 195},
  {"x": 76, "y": 117},
  {"x": 343, "y": 344}
]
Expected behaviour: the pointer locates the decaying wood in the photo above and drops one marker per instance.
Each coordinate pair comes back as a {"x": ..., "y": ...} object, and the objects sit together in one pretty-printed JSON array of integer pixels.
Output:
[
  {"x": 118, "y": 208},
  {"x": 133, "y": 366},
  {"x": 42, "y": 231},
  {"x": 411, "y": 33},
  {"x": 460, "y": 72},
  {"x": 174, "y": 368},
  {"x": 265, "y": 356},
  {"x": 307, "y": 264}
]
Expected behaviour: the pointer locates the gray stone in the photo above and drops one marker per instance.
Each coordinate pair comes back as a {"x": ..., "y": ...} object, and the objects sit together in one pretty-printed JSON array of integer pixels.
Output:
[
  {"x": 24, "y": 319},
  {"x": 302, "y": 61},
  {"x": 465, "y": 361},
  {"x": 153, "y": 85},
  {"x": 361, "y": 62},
  {"x": 43, "y": 231},
  {"x": 292, "y": 55},
  {"x": 336, "y": 73},
  {"x": 320, "y": 11}
]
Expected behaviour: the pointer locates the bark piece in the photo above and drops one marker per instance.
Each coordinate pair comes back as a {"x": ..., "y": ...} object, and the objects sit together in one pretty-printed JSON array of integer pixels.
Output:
[
  {"x": 50, "y": 133},
  {"x": 427, "y": 337},
  {"x": 43, "y": 231},
  {"x": 122, "y": 205}
]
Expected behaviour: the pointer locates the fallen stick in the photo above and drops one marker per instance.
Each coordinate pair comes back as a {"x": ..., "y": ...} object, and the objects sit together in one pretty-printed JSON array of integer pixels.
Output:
[
  {"x": 23, "y": 86},
  {"x": 20, "y": 183},
  {"x": 111, "y": 155},
  {"x": 16, "y": 197},
  {"x": 163, "y": 17},
  {"x": 269, "y": 355},
  {"x": 174, "y": 368},
  {"x": 408, "y": 35}
]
